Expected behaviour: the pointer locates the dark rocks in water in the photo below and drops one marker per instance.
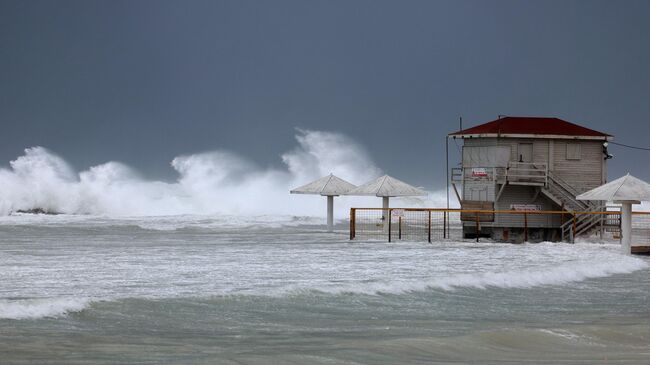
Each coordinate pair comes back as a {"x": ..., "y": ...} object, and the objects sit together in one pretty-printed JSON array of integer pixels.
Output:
[{"x": 36, "y": 211}]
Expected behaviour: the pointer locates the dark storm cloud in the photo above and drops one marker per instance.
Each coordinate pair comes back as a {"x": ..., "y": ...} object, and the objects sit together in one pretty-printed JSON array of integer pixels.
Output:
[{"x": 144, "y": 81}]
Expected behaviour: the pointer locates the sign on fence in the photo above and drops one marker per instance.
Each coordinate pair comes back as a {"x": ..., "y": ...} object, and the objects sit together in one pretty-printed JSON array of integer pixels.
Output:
[
  {"x": 525, "y": 207},
  {"x": 397, "y": 213}
]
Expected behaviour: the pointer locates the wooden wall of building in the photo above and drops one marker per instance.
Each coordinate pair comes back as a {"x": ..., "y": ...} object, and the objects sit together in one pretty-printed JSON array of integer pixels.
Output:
[{"x": 584, "y": 174}]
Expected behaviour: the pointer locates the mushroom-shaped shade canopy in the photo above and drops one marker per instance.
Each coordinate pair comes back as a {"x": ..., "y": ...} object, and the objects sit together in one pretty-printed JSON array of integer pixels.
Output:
[
  {"x": 329, "y": 185},
  {"x": 386, "y": 186},
  {"x": 626, "y": 188}
]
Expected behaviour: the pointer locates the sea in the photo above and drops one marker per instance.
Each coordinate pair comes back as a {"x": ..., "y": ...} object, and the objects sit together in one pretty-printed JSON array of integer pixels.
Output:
[{"x": 282, "y": 290}]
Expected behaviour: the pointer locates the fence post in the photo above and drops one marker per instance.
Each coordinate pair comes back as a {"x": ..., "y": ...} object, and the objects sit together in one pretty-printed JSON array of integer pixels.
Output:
[
  {"x": 573, "y": 229},
  {"x": 429, "y": 226},
  {"x": 444, "y": 225},
  {"x": 354, "y": 225},
  {"x": 525, "y": 227},
  {"x": 390, "y": 213},
  {"x": 478, "y": 226},
  {"x": 399, "y": 227},
  {"x": 352, "y": 222}
]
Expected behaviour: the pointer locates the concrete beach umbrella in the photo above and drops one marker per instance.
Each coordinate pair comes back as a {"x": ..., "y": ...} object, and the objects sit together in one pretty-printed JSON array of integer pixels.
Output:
[
  {"x": 386, "y": 187},
  {"x": 626, "y": 190},
  {"x": 329, "y": 186}
]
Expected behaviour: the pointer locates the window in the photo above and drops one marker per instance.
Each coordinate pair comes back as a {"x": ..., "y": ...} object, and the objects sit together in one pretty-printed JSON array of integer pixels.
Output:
[{"x": 573, "y": 151}]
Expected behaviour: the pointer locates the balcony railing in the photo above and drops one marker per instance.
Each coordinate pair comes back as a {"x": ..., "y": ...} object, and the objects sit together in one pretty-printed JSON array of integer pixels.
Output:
[
  {"x": 527, "y": 173},
  {"x": 456, "y": 174}
]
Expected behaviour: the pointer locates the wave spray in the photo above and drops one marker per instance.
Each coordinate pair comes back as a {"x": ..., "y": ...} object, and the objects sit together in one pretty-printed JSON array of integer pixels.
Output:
[{"x": 215, "y": 182}]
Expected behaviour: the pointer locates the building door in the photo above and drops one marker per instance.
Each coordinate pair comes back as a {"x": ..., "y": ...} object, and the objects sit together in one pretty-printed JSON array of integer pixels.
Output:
[
  {"x": 525, "y": 152},
  {"x": 478, "y": 194}
]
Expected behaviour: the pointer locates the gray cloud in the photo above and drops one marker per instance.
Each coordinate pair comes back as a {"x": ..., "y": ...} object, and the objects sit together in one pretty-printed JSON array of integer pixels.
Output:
[{"x": 142, "y": 82}]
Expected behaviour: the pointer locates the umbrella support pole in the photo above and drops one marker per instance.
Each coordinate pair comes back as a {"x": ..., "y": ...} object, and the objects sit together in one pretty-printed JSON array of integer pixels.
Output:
[
  {"x": 626, "y": 227},
  {"x": 330, "y": 213},
  {"x": 386, "y": 213}
]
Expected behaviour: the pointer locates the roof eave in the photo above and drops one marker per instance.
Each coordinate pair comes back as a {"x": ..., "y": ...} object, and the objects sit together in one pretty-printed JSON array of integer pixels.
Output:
[
  {"x": 360, "y": 194},
  {"x": 517, "y": 135},
  {"x": 303, "y": 192},
  {"x": 408, "y": 196}
]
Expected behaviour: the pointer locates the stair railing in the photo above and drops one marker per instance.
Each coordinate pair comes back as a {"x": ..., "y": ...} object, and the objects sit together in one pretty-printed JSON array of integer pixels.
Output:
[
  {"x": 569, "y": 193},
  {"x": 583, "y": 223}
]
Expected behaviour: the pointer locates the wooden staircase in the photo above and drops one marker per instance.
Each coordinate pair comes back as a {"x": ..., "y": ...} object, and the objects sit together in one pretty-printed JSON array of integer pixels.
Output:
[
  {"x": 564, "y": 195},
  {"x": 583, "y": 224}
]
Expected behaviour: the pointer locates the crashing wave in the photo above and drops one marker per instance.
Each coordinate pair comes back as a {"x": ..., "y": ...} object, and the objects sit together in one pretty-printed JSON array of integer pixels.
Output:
[
  {"x": 40, "y": 308},
  {"x": 217, "y": 182}
]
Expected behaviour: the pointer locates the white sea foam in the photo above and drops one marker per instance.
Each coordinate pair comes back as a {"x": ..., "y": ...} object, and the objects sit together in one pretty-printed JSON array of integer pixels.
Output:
[
  {"x": 193, "y": 269},
  {"x": 513, "y": 279},
  {"x": 40, "y": 308},
  {"x": 219, "y": 222},
  {"x": 208, "y": 183},
  {"x": 558, "y": 273}
]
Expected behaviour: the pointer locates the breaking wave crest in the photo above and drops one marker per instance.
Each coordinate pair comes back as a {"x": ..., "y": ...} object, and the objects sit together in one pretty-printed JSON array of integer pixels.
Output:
[
  {"x": 40, "y": 308},
  {"x": 199, "y": 278},
  {"x": 562, "y": 274},
  {"x": 208, "y": 183}
]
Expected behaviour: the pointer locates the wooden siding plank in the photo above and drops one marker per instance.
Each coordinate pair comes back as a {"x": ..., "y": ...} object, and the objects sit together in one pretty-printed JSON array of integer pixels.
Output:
[{"x": 584, "y": 174}]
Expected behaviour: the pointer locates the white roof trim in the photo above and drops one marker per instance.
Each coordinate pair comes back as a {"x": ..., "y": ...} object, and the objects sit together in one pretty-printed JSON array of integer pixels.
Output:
[{"x": 514, "y": 135}]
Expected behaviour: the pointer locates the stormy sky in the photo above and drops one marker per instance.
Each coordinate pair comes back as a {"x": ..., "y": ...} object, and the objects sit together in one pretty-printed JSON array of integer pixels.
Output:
[{"x": 144, "y": 81}]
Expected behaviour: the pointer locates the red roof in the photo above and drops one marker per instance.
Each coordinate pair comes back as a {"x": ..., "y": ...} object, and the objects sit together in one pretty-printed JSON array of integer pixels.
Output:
[{"x": 532, "y": 126}]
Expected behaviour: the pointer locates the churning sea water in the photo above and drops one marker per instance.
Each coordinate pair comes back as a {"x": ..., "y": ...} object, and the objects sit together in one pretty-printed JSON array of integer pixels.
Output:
[{"x": 269, "y": 290}]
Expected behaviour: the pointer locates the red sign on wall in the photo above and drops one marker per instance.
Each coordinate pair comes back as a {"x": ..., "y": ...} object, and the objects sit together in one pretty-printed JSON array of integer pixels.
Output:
[{"x": 479, "y": 172}]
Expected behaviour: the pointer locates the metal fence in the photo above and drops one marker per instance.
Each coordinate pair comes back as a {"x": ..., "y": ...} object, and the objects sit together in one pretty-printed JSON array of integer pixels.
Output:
[
  {"x": 405, "y": 224},
  {"x": 419, "y": 224},
  {"x": 641, "y": 228}
]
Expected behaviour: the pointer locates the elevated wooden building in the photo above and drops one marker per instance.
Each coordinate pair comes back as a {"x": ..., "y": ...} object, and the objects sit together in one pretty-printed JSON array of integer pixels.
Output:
[{"x": 526, "y": 163}]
